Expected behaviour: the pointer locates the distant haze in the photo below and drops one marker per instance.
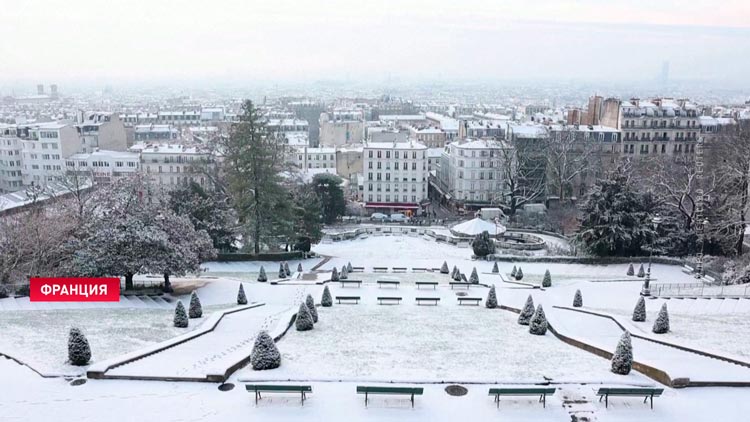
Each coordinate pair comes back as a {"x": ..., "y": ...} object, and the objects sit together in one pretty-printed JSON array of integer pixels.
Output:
[{"x": 237, "y": 40}]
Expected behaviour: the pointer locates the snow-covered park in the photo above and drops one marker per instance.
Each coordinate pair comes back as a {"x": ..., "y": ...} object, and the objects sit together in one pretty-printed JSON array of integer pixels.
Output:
[{"x": 371, "y": 344}]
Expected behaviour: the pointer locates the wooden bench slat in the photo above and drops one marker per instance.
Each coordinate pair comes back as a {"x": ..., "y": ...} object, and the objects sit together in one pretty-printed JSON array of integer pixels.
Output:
[
  {"x": 646, "y": 393},
  {"x": 526, "y": 391}
]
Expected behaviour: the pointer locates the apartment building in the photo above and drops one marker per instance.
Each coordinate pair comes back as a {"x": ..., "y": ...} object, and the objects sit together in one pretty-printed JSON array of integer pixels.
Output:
[
  {"x": 170, "y": 165},
  {"x": 163, "y": 133},
  {"x": 314, "y": 158},
  {"x": 103, "y": 166},
  {"x": 395, "y": 176},
  {"x": 432, "y": 137},
  {"x": 102, "y": 130},
  {"x": 341, "y": 127}
]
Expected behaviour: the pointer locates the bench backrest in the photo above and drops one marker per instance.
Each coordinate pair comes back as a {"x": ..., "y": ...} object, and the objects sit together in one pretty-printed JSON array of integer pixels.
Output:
[
  {"x": 426, "y": 298},
  {"x": 631, "y": 391},
  {"x": 390, "y": 390},
  {"x": 347, "y": 297},
  {"x": 275, "y": 387},
  {"x": 388, "y": 298},
  {"x": 427, "y": 282},
  {"x": 530, "y": 390},
  {"x": 389, "y": 281}
]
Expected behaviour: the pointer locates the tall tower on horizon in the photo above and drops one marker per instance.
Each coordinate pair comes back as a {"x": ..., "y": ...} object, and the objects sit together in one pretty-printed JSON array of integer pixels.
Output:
[{"x": 664, "y": 74}]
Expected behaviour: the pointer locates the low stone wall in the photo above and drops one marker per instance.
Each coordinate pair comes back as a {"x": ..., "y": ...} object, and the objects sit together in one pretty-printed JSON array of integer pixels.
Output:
[{"x": 525, "y": 242}]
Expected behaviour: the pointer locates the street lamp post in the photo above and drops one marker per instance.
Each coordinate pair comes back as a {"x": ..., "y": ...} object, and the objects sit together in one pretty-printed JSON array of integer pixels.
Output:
[
  {"x": 701, "y": 271},
  {"x": 646, "y": 290}
]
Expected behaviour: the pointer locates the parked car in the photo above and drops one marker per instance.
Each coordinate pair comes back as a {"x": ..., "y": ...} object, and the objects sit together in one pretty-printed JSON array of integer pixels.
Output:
[
  {"x": 399, "y": 218},
  {"x": 378, "y": 217}
]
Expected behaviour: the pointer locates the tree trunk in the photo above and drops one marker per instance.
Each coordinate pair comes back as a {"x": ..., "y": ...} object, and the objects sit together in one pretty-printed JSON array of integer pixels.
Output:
[
  {"x": 743, "y": 211},
  {"x": 129, "y": 281},
  {"x": 167, "y": 285}
]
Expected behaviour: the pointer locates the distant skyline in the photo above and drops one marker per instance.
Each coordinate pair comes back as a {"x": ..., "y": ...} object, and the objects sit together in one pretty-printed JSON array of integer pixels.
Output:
[{"x": 141, "y": 41}]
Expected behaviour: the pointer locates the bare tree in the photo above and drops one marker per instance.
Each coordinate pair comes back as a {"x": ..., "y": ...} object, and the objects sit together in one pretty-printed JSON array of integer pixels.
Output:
[
  {"x": 570, "y": 154},
  {"x": 733, "y": 151},
  {"x": 524, "y": 168}
]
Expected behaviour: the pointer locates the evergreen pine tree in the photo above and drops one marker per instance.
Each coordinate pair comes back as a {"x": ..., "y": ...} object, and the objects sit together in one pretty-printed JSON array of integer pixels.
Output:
[
  {"x": 299, "y": 267},
  {"x": 661, "y": 325},
  {"x": 622, "y": 359},
  {"x": 265, "y": 355},
  {"x": 641, "y": 272},
  {"x": 344, "y": 273},
  {"x": 527, "y": 312},
  {"x": 639, "y": 313},
  {"x": 241, "y": 298},
  {"x": 538, "y": 322},
  {"x": 491, "y": 298},
  {"x": 547, "y": 280},
  {"x": 334, "y": 274},
  {"x": 577, "y": 299},
  {"x": 349, "y": 267},
  {"x": 310, "y": 302},
  {"x": 474, "y": 277},
  {"x": 79, "y": 352},
  {"x": 631, "y": 271},
  {"x": 513, "y": 273},
  {"x": 326, "y": 301},
  {"x": 196, "y": 310},
  {"x": 483, "y": 245},
  {"x": 262, "y": 275},
  {"x": 304, "y": 321},
  {"x": 495, "y": 269},
  {"x": 519, "y": 274},
  {"x": 180, "y": 316},
  {"x": 444, "y": 268},
  {"x": 282, "y": 271}
]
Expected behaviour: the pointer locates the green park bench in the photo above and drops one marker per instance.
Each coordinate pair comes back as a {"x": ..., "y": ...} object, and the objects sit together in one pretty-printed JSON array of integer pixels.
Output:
[
  {"x": 420, "y": 300},
  {"x": 646, "y": 393},
  {"x": 419, "y": 269},
  {"x": 392, "y": 283},
  {"x": 273, "y": 388},
  {"x": 475, "y": 300},
  {"x": 354, "y": 299},
  {"x": 345, "y": 282},
  {"x": 459, "y": 284},
  {"x": 358, "y": 269},
  {"x": 403, "y": 391},
  {"x": 380, "y": 269},
  {"x": 399, "y": 269},
  {"x": 542, "y": 392},
  {"x": 389, "y": 300},
  {"x": 427, "y": 283}
]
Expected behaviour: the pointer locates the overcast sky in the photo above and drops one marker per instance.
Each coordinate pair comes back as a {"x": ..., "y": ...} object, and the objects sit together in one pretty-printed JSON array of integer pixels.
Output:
[{"x": 110, "y": 41}]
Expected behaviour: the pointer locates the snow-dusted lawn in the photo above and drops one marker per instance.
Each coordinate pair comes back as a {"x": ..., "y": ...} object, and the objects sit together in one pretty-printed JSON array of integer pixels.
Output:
[
  {"x": 40, "y": 338},
  {"x": 421, "y": 343}
]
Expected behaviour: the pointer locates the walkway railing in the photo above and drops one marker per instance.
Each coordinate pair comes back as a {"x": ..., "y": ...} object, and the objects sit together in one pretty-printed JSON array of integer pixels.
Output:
[{"x": 700, "y": 290}]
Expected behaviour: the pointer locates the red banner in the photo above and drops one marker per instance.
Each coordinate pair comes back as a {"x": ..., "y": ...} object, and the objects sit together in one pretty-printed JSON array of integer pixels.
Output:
[{"x": 74, "y": 289}]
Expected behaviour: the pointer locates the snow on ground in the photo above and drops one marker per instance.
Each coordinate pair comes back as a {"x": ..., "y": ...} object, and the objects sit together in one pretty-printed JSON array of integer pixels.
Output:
[{"x": 430, "y": 344}]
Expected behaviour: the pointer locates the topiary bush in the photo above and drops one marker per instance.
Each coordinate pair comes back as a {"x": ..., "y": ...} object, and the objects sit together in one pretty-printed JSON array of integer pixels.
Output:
[
  {"x": 349, "y": 267},
  {"x": 326, "y": 301},
  {"x": 474, "y": 277},
  {"x": 282, "y": 271},
  {"x": 262, "y": 275},
  {"x": 495, "y": 269},
  {"x": 538, "y": 322},
  {"x": 639, "y": 313},
  {"x": 310, "y": 302},
  {"x": 527, "y": 312},
  {"x": 196, "y": 310},
  {"x": 577, "y": 299},
  {"x": 519, "y": 274},
  {"x": 661, "y": 325},
  {"x": 547, "y": 280},
  {"x": 79, "y": 352},
  {"x": 622, "y": 359},
  {"x": 641, "y": 272},
  {"x": 241, "y": 298},
  {"x": 180, "y": 316},
  {"x": 334, "y": 274},
  {"x": 299, "y": 267},
  {"x": 286, "y": 269},
  {"x": 491, "y": 301},
  {"x": 513, "y": 273},
  {"x": 344, "y": 273},
  {"x": 444, "y": 268},
  {"x": 265, "y": 354},
  {"x": 483, "y": 245},
  {"x": 631, "y": 271},
  {"x": 304, "y": 321}
]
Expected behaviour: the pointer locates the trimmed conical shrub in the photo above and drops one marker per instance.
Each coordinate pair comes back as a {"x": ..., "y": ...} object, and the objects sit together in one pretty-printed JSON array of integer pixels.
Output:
[
  {"x": 444, "y": 268},
  {"x": 310, "y": 302},
  {"x": 196, "y": 310},
  {"x": 661, "y": 325},
  {"x": 180, "y": 316},
  {"x": 344, "y": 273},
  {"x": 457, "y": 275},
  {"x": 299, "y": 267},
  {"x": 262, "y": 275},
  {"x": 519, "y": 274},
  {"x": 495, "y": 269},
  {"x": 622, "y": 359},
  {"x": 453, "y": 273},
  {"x": 631, "y": 270},
  {"x": 538, "y": 322},
  {"x": 304, "y": 321},
  {"x": 326, "y": 301},
  {"x": 641, "y": 272},
  {"x": 265, "y": 354},
  {"x": 577, "y": 299},
  {"x": 349, "y": 267},
  {"x": 547, "y": 280},
  {"x": 513, "y": 272},
  {"x": 286, "y": 269},
  {"x": 463, "y": 278},
  {"x": 334, "y": 274},
  {"x": 491, "y": 299},
  {"x": 474, "y": 277},
  {"x": 79, "y": 352},
  {"x": 527, "y": 312},
  {"x": 282, "y": 271},
  {"x": 639, "y": 313},
  {"x": 241, "y": 298}
]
